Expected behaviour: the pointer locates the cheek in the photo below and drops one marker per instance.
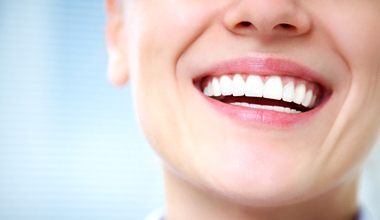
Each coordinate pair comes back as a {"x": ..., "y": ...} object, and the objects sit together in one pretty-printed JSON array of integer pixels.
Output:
[
  {"x": 357, "y": 37},
  {"x": 165, "y": 29},
  {"x": 160, "y": 32},
  {"x": 355, "y": 32}
]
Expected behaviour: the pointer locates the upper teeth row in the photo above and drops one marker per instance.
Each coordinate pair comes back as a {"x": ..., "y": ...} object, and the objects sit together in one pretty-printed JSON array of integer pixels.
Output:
[{"x": 254, "y": 86}]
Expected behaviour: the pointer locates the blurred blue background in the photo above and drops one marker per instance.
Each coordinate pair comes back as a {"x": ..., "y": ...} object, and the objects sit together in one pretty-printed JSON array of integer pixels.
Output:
[
  {"x": 70, "y": 147},
  {"x": 69, "y": 144}
]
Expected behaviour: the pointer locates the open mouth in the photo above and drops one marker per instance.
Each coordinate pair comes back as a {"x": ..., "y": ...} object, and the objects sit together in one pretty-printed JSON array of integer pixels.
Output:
[{"x": 279, "y": 93}]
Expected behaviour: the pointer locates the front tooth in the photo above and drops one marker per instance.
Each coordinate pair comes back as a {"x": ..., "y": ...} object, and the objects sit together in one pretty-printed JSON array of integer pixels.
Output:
[
  {"x": 273, "y": 88},
  {"x": 308, "y": 97},
  {"x": 226, "y": 85},
  {"x": 216, "y": 87},
  {"x": 299, "y": 93},
  {"x": 288, "y": 92},
  {"x": 254, "y": 87},
  {"x": 238, "y": 85}
]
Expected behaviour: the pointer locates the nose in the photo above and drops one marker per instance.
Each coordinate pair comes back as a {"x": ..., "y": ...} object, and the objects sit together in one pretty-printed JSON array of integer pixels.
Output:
[{"x": 267, "y": 18}]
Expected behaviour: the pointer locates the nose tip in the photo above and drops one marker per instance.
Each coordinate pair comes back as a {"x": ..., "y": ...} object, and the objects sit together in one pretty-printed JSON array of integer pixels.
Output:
[{"x": 267, "y": 18}]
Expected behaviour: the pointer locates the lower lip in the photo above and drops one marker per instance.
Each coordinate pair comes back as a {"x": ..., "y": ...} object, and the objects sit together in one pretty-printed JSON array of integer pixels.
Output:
[{"x": 261, "y": 116}]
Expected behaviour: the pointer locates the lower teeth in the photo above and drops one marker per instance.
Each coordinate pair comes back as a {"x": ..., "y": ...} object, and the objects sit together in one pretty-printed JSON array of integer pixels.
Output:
[{"x": 267, "y": 107}]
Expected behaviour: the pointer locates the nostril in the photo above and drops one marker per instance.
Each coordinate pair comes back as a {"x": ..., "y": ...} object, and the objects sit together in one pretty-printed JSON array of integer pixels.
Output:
[
  {"x": 245, "y": 24},
  {"x": 286, "y": 27},
  {"x": 282, "y": 27}
]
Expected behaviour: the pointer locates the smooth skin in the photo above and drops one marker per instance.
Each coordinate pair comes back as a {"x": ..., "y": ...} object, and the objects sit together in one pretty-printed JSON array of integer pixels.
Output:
[{"x": 218, "y": 168}]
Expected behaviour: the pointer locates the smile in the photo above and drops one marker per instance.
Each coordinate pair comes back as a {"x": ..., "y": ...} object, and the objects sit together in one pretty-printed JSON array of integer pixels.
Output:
[
  {"x": 276, "y": 93},
  {"x": 265, "y": 90}
]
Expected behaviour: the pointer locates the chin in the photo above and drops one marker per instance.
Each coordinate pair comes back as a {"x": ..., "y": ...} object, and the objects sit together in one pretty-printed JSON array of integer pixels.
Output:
[{"x": 257, "y": 179}]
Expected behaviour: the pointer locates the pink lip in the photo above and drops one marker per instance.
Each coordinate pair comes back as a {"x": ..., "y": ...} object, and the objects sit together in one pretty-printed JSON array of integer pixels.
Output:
[
  {"x": 265, "y": 66},
  {"x": 260, "y": 116}
]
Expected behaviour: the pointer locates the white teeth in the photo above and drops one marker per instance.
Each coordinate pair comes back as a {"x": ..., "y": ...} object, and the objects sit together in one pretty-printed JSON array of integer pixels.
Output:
[
  {"x": 238, "y": 85},
  {"x": 279, "y": 108},
  {"x": 216, "y": 87},
  {"x": 308, "y": 97},
  {"x": 254, "y": 86},
  {"x": 273, "y": 88},
  {"x": 267, "y": 107},
  {"x": 313, "y": 100},
  {"x": 288, "y": 92},
  {"x": 285, "y": 109},
  {"x": 208, "y": 90},
  {"x": 245, "y": 104},
  {"x": 226, "y": 85},
  {"x": 299, "y": 93}
]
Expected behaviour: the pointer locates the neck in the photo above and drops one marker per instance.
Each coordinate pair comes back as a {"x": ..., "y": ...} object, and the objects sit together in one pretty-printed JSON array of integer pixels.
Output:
[{"x": 187, "y": 202}]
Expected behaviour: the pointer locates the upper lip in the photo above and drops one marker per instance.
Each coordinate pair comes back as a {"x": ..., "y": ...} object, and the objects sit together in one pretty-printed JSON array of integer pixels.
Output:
[{"x": 265, "y": 66}]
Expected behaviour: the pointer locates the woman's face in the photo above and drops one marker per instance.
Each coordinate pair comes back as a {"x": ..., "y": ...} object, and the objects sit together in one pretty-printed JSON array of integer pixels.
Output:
[{"x": 291, "y": 50}]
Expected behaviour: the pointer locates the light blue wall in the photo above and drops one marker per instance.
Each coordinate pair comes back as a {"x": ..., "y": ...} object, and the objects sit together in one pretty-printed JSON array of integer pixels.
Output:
[{"x": 69, "y": 144}]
